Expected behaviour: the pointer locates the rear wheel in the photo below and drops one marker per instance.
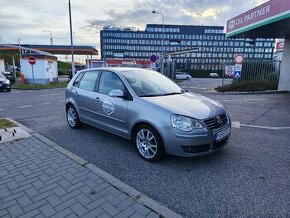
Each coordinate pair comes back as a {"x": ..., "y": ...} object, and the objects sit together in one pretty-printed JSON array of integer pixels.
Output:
[
  {"x": 149, "y": 143},
  {"x": 73, "y": 117}
]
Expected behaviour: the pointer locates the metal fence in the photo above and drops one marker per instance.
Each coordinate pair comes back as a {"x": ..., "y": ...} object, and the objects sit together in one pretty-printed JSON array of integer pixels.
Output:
[{"x": 254, "y": 70}]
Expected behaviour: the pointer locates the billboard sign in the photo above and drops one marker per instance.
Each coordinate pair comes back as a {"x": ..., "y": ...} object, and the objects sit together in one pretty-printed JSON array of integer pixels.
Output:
[
  {"x": 268, "y": 12},
  {"x": 279, "y": 46}
]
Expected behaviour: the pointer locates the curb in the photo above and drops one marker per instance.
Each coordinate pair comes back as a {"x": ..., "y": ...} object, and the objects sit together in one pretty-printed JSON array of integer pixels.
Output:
[{"x": 133, "y": 193}]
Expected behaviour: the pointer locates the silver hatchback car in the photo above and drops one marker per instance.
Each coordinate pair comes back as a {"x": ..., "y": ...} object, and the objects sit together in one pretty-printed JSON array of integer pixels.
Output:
[{"x": 147, "y": 107}]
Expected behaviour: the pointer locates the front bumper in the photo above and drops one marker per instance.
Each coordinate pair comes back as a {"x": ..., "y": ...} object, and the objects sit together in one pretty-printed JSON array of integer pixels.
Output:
[
  {"x": 197, "y": 143},
  {"x": 4, "y": 86}
]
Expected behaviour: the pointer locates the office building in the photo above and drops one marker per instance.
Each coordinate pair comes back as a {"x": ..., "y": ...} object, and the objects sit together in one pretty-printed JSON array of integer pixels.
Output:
[{"x": 213, "y": 49}]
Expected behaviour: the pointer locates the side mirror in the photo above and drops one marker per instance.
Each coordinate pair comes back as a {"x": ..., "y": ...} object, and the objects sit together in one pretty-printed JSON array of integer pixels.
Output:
[{"x": 116, "y": 93}]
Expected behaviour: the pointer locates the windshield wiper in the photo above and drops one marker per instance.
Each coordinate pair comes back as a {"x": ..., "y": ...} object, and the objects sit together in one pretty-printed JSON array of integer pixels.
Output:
[
  {"x": 148, "y": 95},
  {"x": 172, "y": 93}
]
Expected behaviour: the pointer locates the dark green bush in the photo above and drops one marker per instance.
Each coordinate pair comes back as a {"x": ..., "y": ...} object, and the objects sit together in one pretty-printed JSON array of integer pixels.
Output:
[{"x": 248, "y": 86}]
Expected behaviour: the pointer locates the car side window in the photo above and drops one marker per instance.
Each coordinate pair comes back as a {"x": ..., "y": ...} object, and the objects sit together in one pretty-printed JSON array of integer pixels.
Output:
[
  {"x": 78, "y": 79},
  {"x": 88, "y": 81},
  {"x": 110, "y": 81}
]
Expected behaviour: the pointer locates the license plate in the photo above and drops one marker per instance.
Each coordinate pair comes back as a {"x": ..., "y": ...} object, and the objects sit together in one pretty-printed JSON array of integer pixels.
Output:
[{"x": 222, "y": 134}]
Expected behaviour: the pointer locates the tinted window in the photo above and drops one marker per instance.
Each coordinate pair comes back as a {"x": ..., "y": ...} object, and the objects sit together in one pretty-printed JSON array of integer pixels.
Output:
[
  {"x": 88, "y": 81},
  {"x": 110, "y": 81}
]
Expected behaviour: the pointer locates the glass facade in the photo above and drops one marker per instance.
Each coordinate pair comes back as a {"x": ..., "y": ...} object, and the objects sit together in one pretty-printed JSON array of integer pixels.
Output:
[{"x": 213, "y": 49}]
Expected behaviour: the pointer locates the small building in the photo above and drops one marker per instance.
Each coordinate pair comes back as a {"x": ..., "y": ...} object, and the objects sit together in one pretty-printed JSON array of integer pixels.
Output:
[
  {"x": 43, "y": 71},
  {"x": 2, "y": 65}
]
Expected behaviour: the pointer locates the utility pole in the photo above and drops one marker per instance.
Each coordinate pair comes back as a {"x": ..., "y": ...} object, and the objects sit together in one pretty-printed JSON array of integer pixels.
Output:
[
  {"x": 20, "y": 53},
  {"x": 71, "y": 41}
]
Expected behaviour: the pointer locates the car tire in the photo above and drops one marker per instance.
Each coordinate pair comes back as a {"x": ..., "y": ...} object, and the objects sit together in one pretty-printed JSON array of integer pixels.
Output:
[
  {"x": 187, "y": 78},
  {"x": 72, "y": 117},
  {"x": 149, "y": 143},
  {"x": 8, "y": 90}
]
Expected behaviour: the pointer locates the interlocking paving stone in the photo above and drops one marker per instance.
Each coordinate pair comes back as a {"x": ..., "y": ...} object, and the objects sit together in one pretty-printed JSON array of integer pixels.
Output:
[{"x": 38, "y": 181}]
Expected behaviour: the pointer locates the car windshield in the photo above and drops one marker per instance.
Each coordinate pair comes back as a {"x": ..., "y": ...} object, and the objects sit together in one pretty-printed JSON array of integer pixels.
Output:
[
  {"x": 2, "y": 76},
  {"x": 148, "y": 83}
]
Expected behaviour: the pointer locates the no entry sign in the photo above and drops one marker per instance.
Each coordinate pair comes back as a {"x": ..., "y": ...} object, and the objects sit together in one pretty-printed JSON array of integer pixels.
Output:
[{"x": 32, "y": 60}]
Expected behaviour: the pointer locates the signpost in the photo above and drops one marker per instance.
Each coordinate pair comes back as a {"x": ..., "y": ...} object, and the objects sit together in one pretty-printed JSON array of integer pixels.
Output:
[
  {"x": 32, "y": 61},
  {"x": 238, "y": 59}
]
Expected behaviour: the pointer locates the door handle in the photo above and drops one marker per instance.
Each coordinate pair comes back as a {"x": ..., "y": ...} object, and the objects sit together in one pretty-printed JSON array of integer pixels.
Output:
[
  {"x": 97, "y": 99},
  {"x": 76, "y": 93}
]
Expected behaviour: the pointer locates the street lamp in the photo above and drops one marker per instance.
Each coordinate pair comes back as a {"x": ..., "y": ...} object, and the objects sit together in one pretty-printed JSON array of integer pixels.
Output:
[
  {"x": 71, "y": 41},
  {"x": 162, "y": 51},
  {"x": 50, "y": 35}
]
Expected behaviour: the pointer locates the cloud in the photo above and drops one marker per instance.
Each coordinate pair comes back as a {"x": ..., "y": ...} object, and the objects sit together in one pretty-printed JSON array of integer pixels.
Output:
[{"x": 27, "y": 19}]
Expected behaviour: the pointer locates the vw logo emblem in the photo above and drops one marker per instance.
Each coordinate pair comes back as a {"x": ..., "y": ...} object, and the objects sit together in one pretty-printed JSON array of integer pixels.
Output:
[{"x": 219, "y": 121}]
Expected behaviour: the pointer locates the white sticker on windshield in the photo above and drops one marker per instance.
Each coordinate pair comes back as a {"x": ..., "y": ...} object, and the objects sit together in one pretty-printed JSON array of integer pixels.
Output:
[{"x": 108, "y": 106}]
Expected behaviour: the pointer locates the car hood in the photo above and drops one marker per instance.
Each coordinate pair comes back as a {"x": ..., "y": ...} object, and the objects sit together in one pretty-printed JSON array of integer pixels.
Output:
[{"x": 188, "y": 104}]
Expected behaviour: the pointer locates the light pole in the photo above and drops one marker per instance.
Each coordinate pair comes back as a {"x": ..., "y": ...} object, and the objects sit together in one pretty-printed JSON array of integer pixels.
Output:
[
  {"x": 71, "y": 41},
  {"x": 162, "y": 49},
  {"x": 50, "y": 35}
]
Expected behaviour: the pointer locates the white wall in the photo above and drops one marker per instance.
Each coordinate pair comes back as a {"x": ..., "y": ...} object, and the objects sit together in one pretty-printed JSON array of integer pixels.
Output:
[
  {"x": 44, "y": 70},
  {"x": 284, "y": 80},
  {"x": 2, "y": 66}
]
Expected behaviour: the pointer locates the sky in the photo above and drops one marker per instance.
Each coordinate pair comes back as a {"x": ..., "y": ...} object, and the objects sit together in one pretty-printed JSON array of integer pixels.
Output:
[{"x": 30, "y": 20}]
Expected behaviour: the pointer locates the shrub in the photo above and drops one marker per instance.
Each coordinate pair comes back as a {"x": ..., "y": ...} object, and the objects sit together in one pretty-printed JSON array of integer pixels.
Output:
[{"x": 248, "y": 86}]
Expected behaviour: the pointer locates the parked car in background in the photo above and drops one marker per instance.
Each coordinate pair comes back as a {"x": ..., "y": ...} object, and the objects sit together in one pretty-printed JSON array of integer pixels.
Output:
[
  {"x": 214, "y": 75},
  {"x": 4, "y": 83},
  {"x": 181, "y": 75},
  {"x": 148, "y": 108},
  {"x": 10, "y": 76}
]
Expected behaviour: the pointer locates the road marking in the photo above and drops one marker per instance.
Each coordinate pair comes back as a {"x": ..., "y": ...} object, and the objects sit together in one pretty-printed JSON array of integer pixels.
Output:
[
  {"x": 44, "y": 95},
  {"x": 249, "y": 99},
  {"x": 1, "y": 109},
  {"x": 45, "y": 103},
  {"x": 239, "y": 125},
  {"x": 4, "y": 99},
  {"x": 25, "y": 106},
  {"x": 61, "y": 100}
]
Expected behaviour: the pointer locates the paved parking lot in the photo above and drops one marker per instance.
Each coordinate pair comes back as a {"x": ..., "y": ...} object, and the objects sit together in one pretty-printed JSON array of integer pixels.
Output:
[{"x": 250, "y": 177}]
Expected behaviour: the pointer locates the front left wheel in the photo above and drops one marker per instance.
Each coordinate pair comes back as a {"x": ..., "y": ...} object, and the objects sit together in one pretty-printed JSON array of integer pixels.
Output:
[
  {"x": 73, "y": 117},
  {"x": 149, "y": 143}
]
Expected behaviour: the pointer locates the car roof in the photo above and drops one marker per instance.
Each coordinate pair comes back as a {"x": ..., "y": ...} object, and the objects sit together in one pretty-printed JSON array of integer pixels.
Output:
[{"x": 116, "y": 69}]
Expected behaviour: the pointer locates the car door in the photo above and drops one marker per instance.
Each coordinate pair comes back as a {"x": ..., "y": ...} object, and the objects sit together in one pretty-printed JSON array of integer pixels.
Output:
[
  {"x": 86, "y": 97},
  {"x": 112, "y": 110}
]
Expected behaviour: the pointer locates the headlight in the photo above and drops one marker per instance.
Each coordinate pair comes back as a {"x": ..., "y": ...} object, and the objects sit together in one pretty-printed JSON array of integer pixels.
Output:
[
  {"x": 7, "y": 82},
  {"x": 185, "y": 123}
]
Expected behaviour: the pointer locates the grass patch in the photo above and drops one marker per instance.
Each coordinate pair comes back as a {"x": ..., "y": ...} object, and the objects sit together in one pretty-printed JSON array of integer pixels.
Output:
[
  {"x": 247, "y": 86},
  {"x": 52, "y": 85},
  {"x": 6, "y": 124}
]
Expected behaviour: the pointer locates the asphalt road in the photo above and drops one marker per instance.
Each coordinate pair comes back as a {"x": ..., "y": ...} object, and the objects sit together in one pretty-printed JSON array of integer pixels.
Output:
[{"x": 249, "y": 177}]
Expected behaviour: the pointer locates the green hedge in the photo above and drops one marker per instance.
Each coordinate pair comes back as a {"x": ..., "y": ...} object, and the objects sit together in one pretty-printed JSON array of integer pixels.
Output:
[{"x": 248, "y": 86}]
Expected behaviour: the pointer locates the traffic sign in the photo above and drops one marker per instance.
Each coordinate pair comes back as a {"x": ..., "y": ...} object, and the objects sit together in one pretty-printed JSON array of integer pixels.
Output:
[
  {"x": 239, "y": 59},
  {"x": 153, "y": 58},
  {"x": 32, "y": 60},
  {"x": 238, "y": 70},
  {"x": 230, "y": 70},
  {"x": 237, "y": 74}
]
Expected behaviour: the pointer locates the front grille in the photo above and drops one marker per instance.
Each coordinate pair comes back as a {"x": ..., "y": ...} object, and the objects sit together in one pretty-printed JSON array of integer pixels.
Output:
[{"x": 212, "y": 123}]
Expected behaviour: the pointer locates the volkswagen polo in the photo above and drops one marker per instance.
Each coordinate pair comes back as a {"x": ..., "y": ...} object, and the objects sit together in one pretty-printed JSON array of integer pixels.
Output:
[{"x": 148, "y": 108}]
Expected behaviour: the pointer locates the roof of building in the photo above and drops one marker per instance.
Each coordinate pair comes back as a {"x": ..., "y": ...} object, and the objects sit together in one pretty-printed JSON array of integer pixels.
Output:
[{"x": 54, "y": 49}]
